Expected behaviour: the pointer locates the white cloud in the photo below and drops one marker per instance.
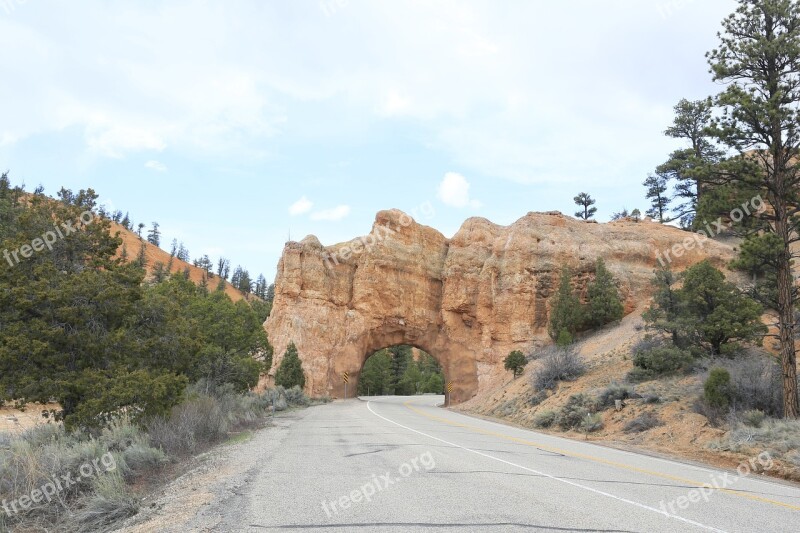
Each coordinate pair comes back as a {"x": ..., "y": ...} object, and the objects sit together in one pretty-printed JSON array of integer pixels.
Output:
[
  {"x": 156, "y": 165},
  {"x": 337, "y": 213},
  {"x": 454, "y": 191},
  {"x": 303, "y": 205}
]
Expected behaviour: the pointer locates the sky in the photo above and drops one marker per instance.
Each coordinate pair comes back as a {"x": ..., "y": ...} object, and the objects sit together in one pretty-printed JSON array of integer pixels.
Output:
[{"x": 242, "y": 124}]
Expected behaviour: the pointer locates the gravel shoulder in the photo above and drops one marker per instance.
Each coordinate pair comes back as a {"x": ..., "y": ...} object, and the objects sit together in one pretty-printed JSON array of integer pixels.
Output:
[{"x": 204, "y": 496}]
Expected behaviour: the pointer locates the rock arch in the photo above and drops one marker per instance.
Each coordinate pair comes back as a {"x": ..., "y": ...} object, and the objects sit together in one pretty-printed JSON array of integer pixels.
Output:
[{"x": 468, "y": 300}]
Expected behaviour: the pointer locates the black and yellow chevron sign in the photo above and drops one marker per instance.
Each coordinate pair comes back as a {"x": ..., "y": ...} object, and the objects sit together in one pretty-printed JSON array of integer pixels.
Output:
[
  {"x": 346, "y": 377},
  {"x": 450, "y": 387}
]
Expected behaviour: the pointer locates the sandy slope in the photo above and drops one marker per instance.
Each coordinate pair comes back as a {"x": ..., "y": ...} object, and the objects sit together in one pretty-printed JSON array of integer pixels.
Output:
[{"x": 685, "y": 433}]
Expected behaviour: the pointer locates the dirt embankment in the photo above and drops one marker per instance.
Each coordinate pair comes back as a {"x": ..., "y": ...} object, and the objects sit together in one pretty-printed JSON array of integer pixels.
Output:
[{"x": 683, "y": 432}]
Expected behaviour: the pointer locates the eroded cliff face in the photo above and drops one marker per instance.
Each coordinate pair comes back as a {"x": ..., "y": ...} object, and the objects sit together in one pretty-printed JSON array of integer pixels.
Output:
[{"x": 468, "y": 301}]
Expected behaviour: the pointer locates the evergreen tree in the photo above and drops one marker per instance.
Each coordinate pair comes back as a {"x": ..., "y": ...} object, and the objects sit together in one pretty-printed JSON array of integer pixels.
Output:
[
  {"x": 717, "y": 312},
  {"x": 706, "y": 312},
  {"x": 183, "y": 253},
  {"x": 290, "y": 372},
  {"x": 565, "y": 312},
  {"x": 657, "y": 194},
  {"x": 376, "y": 375},
  {"x": 245, "y": 283},
  {"x": 515, "y": 362},
  {"x": 140, "y": 227},
  {"x": 236, "y": 278},
  {"x": 586, "y": 202},
  {"x": 141, "y": 258},
  {"x": 604, "y": 304},
  {"x": 688, "y": 166},
  {"x": 261, "y": 287},
  {"x": 223, "y": 268},
  {"x": 620, "y": 214},
  {"x": 126, "y": 221},
  {"x": 154, "y": 235},
  {"x": 664, "y": 313},
  {"x": 758, "y": 58}
]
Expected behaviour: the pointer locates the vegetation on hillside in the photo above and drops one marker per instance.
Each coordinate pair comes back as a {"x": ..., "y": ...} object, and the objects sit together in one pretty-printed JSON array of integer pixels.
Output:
[
  {"x": 741, "y": 164},
  {"x": 568, "y": 315},
  {"x": 81, "y": 327},
  {"x": 393, "y": 371}
]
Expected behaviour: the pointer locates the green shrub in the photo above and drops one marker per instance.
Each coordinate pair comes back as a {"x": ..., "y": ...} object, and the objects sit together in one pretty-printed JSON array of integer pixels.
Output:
[
  {"x": 753, "y": 418},
  {"x": 717, "y": 389},
  {"x": 537, "y": 398},
  {"x": 659, "y": 361},
  {"x": 615, "y": 392},
  {"x": 109, "y": 502},
  {"x": 544, "y": 419},
  {"x": 642, "y": 422},
  {"x": 572, "y": 415},
  {"x": 565, "y": 338},
  {"x": 591, "y": 423}
]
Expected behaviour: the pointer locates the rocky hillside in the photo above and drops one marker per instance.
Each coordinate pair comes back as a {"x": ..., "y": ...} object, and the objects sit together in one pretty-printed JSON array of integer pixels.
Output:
[
  {"x": 132, "y": 243},
  {"x": 661, "y": 415}
]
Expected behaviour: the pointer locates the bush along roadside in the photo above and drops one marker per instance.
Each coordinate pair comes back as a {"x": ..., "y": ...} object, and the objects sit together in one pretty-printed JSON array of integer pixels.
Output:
[{"x": 51, "y": 479}]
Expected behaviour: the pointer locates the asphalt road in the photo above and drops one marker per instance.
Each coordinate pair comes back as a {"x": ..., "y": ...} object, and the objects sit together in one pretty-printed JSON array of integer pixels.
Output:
[{"x": 402, "y": 464}]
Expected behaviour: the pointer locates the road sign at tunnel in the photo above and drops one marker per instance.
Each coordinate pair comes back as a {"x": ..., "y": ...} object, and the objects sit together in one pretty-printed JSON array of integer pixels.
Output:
[
  {"x": 346, "y": 377},
  {"x": 450, "y": 387}
]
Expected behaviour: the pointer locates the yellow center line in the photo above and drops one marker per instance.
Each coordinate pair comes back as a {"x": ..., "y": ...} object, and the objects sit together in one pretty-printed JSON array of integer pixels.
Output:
[{"x": 598, "y": 459}]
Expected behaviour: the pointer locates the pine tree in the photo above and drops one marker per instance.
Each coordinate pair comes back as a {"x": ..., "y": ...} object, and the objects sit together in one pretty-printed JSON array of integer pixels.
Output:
[
  {"x": 245, "y": 283},
  {"x": 758, "y": 58},
  {"x": 223, "y": 268},
  {"x": 236, "y": 278},
  {"x": 585, "y": 202},
  {"x": 565, "y": 312},
  {"x": 183, "y": 253},
  {"x": 290, "y": 372},
  {"x": 140, "y": 227},
  {"x": 515, "y": 362},
  {"x": 604, "y": 304},
  {"x": 688, "y": 166},
  {"x": 141, "y": 258},
  {"x": 154, "y": 235},
  {"x": 657, "y": 194}
]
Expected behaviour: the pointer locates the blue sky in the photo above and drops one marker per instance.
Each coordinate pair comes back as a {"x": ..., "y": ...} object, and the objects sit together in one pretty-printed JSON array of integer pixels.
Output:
[{"x": 236, "y": 125}]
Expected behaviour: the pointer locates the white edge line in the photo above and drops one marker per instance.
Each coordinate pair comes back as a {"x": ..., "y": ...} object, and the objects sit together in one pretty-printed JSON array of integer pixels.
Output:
[{"x": 554, "y": 478}]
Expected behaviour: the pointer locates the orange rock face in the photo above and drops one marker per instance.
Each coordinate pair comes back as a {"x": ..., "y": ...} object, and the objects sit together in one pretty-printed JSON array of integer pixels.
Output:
[{"x": 468, "y": 301}]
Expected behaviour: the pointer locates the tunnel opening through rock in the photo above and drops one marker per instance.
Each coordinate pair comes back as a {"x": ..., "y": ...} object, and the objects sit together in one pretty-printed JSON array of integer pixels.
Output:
[{"x": 400, "y": 370}]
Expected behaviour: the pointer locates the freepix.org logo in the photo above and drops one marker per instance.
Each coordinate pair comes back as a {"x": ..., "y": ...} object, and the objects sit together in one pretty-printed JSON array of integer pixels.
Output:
[{"x": 48, "y": 239}]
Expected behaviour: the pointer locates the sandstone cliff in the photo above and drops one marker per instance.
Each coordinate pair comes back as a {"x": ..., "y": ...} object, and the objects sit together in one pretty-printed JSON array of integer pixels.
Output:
[{"x": 467, "y": 301}]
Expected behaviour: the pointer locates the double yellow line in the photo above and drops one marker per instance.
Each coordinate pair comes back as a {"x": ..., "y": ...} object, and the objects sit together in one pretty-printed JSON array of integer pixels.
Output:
[{"x": 551, "y": 449}]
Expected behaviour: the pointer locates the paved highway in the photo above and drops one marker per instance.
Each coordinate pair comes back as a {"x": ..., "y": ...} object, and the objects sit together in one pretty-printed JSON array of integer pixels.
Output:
[{"x": 393, "y": 464}]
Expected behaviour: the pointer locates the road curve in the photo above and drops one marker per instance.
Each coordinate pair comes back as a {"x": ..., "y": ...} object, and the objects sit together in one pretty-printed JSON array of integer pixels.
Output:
[{"x": 392, "y": 464}]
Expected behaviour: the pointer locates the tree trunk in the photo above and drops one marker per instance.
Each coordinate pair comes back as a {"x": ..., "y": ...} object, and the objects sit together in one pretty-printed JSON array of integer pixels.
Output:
[{"x": 791, "y": 404}]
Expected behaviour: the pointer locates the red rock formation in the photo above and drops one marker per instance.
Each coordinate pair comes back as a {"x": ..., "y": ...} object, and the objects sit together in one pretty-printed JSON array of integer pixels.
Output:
[{"x": 467, "y": 301}]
